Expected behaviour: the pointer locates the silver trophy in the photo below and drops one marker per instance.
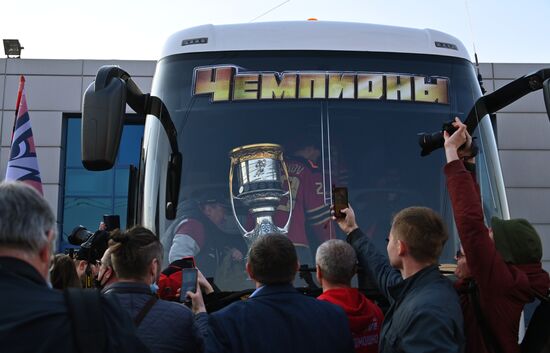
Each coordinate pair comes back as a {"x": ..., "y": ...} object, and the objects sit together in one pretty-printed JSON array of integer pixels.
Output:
[{"x": 260, "y": 187}]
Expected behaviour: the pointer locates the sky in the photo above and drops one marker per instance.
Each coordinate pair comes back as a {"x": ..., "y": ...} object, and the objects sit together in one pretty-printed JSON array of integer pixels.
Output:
[{"x": 501, "y": 31}]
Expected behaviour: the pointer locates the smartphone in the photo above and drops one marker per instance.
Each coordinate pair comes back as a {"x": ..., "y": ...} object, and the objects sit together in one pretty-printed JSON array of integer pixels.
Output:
[
  {"x": 188, "y": 283},
  {"x": 340, "y": 200},
  {"x": 112, "y": 222}
]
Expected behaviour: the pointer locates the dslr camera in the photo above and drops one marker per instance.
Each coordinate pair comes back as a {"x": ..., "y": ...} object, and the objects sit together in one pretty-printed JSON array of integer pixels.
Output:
[
  {"x": 430, "y": 142},
  {"x": 92, "y": 245}
]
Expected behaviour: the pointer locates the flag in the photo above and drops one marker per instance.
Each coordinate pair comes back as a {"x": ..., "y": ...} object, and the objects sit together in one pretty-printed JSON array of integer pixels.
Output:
[{"x": 23, "y": 163}]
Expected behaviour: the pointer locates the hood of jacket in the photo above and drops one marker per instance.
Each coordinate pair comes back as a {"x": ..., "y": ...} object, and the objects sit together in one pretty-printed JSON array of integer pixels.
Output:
[
  {"x": 358, "y": 308},
  {"x": 538, "y": 278}
]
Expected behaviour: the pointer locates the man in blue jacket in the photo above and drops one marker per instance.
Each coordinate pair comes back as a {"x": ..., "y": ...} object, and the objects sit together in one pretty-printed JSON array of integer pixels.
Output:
[
  {"x": 165, "y": 327},
  {"x": 276, "y": 318},
  {"x": 34, "y": 317},
  {"x": 424, "y": 314}
]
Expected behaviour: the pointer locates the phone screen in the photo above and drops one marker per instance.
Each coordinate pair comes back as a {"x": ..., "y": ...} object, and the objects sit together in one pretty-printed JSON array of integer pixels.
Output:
[
  {"x": 188, "y": 283},
  {"x": 340, "y": 198}
]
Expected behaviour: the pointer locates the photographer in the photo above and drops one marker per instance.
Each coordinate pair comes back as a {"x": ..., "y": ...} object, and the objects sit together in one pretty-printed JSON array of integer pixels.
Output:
[
  {"x": 106, "y": 275},
  {"x": 92, "y": 247},
  {"x": 499, "y": 268}
]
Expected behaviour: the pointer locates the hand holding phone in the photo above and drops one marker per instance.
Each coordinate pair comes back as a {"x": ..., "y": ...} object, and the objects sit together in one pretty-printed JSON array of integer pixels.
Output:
[
  {"x": 188, "y": 283},
  {"x": 340, "y": 200}
]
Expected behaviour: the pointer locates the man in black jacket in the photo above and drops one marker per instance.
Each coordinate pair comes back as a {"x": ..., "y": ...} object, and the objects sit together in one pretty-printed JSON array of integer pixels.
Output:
[
  {"x": 424, "y": 314},
  {"x": 35, "y": 318}
]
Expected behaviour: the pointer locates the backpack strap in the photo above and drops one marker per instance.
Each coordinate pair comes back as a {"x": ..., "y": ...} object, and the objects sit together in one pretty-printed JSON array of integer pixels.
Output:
[
  {"x": 84, "y": 307},
  {"x": 144, "y": 310},
  {"x": 488, "y": 338}
]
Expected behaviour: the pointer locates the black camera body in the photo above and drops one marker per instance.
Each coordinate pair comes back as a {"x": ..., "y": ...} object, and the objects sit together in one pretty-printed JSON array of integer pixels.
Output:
[
  {"x": 92, "y": 245},
  {"x": 448, "y": 126}
]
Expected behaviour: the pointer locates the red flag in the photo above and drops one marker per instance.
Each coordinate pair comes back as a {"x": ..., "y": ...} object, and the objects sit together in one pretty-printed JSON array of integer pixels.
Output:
[{"x": 23, "y": 163}]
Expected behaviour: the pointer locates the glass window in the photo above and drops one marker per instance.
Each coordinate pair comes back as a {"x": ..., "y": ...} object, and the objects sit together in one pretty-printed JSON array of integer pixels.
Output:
[
  {"x": 89, "y": 195},
  {"x": 368, "y": 145}
]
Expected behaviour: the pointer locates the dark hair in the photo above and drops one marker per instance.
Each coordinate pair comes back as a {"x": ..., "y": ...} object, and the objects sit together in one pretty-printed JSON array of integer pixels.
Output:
[
  {"x": 63, "y": 273},
  {"x": 423, "y": 230},
  {"x": 133, "y": 250},
  {"x": 273, "y": 260}
]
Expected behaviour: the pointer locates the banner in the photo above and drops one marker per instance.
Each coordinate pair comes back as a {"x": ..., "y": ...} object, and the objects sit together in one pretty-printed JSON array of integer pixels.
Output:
[{"x": 23, "y": 163}]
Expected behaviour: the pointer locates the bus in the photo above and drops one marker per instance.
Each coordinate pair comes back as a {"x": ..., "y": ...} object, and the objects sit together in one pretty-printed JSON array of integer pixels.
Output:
[{"x": 357, "y": 95}]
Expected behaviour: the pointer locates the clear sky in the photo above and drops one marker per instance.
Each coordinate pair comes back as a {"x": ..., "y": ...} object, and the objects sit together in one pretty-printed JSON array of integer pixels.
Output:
[{"x": 503, "y": 30}]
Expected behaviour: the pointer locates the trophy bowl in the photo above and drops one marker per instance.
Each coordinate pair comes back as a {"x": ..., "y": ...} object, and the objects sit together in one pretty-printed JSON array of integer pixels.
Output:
[{"x": 260, "y": 169}]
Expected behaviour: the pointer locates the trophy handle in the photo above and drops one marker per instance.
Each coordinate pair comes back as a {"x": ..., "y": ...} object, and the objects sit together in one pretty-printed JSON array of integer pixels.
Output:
[
  {"x": 291, "y": 201},
  {"x": 231, "y": 196}
]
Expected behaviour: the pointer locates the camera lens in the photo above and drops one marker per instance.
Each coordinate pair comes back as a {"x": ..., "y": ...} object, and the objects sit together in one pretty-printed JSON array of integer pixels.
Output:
[{"x": 430, "y": 142}]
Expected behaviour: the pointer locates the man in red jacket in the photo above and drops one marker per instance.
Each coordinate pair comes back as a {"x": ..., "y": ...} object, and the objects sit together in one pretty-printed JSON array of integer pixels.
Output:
[
  {"x": 336, "y": 265},
  {"x": 499, "y": 268}
]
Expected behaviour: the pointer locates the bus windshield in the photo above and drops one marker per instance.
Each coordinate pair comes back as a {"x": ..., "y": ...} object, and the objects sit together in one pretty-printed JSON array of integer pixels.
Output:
[{"x": 330, "y": 136}]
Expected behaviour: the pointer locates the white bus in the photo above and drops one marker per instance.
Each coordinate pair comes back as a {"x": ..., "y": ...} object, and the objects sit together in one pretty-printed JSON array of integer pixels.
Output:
[{"x": 360, "y": 93}]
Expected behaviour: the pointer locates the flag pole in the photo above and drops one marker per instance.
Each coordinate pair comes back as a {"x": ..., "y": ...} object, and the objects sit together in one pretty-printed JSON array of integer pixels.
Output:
[{"x": 19, "y": 94}]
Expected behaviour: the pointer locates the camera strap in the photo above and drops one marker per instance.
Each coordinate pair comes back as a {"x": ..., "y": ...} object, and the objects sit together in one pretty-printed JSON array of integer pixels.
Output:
[
  {"x": 144, "y": 310},
  {"x": 116, "y": 288}
]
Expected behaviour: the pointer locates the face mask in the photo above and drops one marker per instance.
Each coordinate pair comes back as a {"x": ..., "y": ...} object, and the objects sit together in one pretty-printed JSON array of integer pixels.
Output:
[{"x": 154, "y": 288}]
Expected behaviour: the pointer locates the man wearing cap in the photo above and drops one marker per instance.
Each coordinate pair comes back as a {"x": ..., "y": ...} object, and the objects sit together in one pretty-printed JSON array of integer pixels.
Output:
[
  {"x": 499, "y": 268},
  {"x": 201, "y": 234}
]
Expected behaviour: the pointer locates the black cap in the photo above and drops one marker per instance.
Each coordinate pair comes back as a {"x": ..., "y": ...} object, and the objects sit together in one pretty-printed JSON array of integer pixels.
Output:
[{"x": 209, "y": 196}]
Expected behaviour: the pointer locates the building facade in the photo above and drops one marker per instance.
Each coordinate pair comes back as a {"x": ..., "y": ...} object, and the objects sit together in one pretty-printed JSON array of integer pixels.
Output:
[{"x": 54, "y": 93}]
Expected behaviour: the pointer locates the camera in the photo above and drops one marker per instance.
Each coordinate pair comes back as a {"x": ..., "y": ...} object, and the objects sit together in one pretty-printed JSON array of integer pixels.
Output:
[
  {"x": 92, "y": 245},
  {"x": 430, "y": 142}
]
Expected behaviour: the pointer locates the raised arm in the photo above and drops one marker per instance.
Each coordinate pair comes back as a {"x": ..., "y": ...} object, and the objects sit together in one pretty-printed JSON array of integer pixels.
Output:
[
  {"x": 484, "y": 262},
  {"x": 368, "y": 256}
]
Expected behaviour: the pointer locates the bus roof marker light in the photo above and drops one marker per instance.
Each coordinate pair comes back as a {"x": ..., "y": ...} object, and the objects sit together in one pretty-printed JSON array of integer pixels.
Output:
[{"x": 203, "y": 40}]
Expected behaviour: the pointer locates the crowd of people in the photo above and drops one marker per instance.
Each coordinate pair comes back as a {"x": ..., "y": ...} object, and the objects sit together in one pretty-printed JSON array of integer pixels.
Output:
[{"x": 499, "y": 271}]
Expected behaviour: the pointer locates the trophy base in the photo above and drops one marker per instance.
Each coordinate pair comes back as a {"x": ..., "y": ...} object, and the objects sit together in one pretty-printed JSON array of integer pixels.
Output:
[{"x": 264, "y": 226}]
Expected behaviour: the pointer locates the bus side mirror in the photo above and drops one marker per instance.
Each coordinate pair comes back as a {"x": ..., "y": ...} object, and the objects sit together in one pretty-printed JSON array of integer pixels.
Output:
[
  {"x": 103, "y": 112},
  {"x": 546, "y": 93}
]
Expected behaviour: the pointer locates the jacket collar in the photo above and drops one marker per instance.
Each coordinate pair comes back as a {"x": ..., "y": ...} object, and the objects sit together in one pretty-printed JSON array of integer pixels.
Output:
[
  {"x": 127, "y": 287},
  {"x": 419, "y": 279},
  {"x": 273, "y": 289},
  {"x": 16, "y": 267}
]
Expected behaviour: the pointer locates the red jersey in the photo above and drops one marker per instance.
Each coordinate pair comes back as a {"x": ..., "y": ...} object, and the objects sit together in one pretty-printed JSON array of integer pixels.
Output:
[{"x": 309, "y": 211}]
